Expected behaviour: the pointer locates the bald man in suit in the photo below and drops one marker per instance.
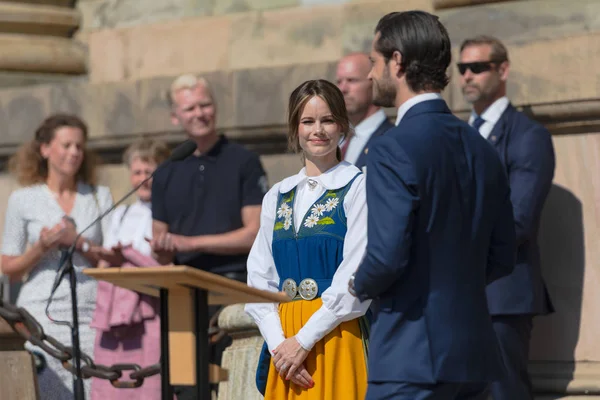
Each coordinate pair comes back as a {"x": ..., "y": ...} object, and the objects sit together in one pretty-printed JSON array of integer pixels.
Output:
[{"x": 369, "y": 121}]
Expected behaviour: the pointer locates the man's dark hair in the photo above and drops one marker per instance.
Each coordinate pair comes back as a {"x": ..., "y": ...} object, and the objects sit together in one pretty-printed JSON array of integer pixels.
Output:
[{"x": 424, "y": 44}]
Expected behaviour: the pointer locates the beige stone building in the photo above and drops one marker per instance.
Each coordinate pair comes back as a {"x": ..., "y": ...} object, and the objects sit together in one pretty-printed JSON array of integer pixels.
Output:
[{"x": 110, "y": 61}]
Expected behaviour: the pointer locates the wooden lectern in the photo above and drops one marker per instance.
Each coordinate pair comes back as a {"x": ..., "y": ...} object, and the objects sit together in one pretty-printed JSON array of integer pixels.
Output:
[{"x": 185, "y": 294}]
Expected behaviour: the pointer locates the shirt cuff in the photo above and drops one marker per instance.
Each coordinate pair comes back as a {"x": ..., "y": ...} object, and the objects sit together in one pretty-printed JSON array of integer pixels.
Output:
[
  {"x": 271, "y": 330},
  {"x": 320, "y": 324}
]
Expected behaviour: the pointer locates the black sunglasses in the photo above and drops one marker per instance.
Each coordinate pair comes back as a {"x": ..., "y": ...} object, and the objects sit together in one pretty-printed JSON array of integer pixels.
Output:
[{"x": 475, "y": 67}]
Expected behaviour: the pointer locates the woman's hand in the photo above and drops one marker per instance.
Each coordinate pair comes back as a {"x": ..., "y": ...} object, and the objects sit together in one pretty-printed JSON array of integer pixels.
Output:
[
  {"x": 69, "y": 232},
  {"x": 113, "y": 257},
  {"x": 50, "y": 238},
  {"x": 302, "y": 378},
  {"x": 288, "y": 357}
]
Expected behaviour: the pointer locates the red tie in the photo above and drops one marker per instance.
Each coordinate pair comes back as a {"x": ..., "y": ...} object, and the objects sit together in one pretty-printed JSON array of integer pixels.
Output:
[{"x": 345, "y": 147}]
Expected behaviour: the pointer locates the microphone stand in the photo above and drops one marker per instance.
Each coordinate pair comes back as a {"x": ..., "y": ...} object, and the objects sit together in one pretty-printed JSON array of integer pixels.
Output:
[
  {"x": 183, "y": 150},
  {"x": 78, "y": 379}
]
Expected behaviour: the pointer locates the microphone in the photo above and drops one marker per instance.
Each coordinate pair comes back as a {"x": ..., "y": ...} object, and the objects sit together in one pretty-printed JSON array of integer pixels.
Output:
[{"x": 180, "y": 152}]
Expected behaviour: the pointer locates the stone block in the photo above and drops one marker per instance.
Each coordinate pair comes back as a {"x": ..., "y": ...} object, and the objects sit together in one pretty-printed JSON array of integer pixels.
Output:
[
  {"x": 223, "y": 87},
  {"x": 81, "y": 99},
  {"x": 262, "y": 93},
  {"x": 154, "y": 108},
  {"x": 102, "y": 14},
  {"x": 22, "y": 112},
  {"x": 294, "y": 36},
  {"x": 119, "y": 109},
  {"x": 280, "y": 166},
  {"x": 162, "y": 49},
  {"x": 107, "y": 54},
  {"x": 360, "y": 20},
  {"x": 37, "y": 19},
  {"x": 236, "y": 6},
  {"x": 523, "y": 21},
  {"x": 40, "y": 54}
]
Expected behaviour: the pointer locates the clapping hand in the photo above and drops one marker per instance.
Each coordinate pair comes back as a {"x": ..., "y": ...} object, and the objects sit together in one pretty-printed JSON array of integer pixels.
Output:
[
  {"x": 69, "y": 232},
  {"x": 50, "y": 238}
]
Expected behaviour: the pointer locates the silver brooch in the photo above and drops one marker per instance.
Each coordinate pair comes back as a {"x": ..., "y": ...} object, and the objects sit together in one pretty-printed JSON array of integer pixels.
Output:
[{"x": 312, "y": 184}]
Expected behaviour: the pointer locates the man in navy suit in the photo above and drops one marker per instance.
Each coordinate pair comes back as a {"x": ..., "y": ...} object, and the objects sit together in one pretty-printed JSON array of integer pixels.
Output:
[
  {"x": 369, "y": 121},
  {"x": 440, "y": 227},
  {"x": 525, "y": 149}
]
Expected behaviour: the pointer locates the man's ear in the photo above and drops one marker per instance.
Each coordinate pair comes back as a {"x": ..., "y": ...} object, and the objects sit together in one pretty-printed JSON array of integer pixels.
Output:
[
  {"x": 395, "y": 63},
  {"x": 503, "y": 70},
  {"x": 174, "y": 119}
]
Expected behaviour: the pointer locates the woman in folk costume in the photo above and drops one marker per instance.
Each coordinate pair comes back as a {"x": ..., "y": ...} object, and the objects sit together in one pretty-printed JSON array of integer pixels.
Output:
[
  {"x": 312, "y": 237},
  {"x": 128, "y": 323}
]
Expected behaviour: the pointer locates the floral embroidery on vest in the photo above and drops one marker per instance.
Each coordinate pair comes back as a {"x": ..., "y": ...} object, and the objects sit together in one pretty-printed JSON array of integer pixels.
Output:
[
  {"x": 284, "y": 212},
  {"x": 319, "y": 209}
]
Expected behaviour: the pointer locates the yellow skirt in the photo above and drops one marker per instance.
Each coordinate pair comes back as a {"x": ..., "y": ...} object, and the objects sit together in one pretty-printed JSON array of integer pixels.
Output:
[{"x": 336, "y": 363}]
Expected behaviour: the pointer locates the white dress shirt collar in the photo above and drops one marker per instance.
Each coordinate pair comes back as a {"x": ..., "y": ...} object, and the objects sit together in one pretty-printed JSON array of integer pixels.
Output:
[
  {"x": 493, "y": 113},
  {"x": 363, "y": 132},
  {"x": 367, "y": 126},
  {"x": 407, "y": 105},
  {"x": 490, "y": 115},
  {"x": 332, "y": 179}
]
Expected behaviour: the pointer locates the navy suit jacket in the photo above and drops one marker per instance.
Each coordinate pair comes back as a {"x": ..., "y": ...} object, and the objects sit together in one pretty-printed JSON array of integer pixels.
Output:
[
  {"x": 385, "y": 126},
  {"x": 526, "y": 150},
  {"x": 440, "y": 228}
]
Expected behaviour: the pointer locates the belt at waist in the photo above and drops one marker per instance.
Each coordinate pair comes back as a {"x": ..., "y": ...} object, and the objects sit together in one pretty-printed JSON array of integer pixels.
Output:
[{"x": 307, "y": 289}]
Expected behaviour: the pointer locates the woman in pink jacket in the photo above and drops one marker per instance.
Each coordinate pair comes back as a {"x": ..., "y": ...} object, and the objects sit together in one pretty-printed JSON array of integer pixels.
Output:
[{"x": 128, "y": 323}]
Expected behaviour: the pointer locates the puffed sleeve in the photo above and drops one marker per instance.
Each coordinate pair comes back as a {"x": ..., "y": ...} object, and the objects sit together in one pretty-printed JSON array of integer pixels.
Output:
[
  {"x": 263, "y": 275},
  {"x": 338, "y": 304}
]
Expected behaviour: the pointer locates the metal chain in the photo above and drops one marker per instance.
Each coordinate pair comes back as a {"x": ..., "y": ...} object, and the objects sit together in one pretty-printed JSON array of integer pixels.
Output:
[{"x": 31, "y": 330}]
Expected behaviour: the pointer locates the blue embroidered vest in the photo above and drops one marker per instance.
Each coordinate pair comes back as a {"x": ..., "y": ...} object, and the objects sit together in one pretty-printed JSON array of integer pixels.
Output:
[{"x": 314, "y": 250}]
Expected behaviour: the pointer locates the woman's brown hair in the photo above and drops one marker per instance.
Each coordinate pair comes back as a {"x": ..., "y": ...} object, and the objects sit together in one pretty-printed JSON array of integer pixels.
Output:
[
  {"x": 31, "y": 168},
  {"x": 334, "y": 99}
]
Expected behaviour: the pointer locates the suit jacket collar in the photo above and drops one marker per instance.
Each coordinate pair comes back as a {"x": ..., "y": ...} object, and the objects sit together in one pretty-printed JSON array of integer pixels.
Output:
[
  {"x": 499, "y": 129},
  {"x": 427, "y": 107}
]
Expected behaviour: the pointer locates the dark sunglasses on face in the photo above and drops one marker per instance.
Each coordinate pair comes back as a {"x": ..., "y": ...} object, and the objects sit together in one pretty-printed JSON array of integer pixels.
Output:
[{"x": 475, "y": 67}]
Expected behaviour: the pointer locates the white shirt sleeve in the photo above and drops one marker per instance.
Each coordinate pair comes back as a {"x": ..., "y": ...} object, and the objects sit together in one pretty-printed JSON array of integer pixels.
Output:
[
  {"x": 338, "y": 304},
  {"x": 263, "y": 275},
  {"x": 14, "y": 240},
  {"x": 111, "y": 237}
]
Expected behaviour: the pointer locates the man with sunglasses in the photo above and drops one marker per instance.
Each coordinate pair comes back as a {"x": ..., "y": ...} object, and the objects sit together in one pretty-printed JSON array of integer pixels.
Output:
[{"x": 526, "y": 150}]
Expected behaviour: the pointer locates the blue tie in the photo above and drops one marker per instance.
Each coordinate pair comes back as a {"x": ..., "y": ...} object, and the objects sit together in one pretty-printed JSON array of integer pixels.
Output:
[{"x": 478, "y": 122}]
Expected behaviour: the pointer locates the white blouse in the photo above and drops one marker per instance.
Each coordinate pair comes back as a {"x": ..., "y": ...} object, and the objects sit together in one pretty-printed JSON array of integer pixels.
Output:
[
  {"x": 131, "y": 226},
  {"x": 338, "y": 304}
]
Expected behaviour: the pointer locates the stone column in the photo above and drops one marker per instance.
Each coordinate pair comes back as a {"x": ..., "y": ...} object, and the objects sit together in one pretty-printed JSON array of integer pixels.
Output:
[
  {"x": 241, "y": 358},
  {"x": 36, "y": 41}
]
